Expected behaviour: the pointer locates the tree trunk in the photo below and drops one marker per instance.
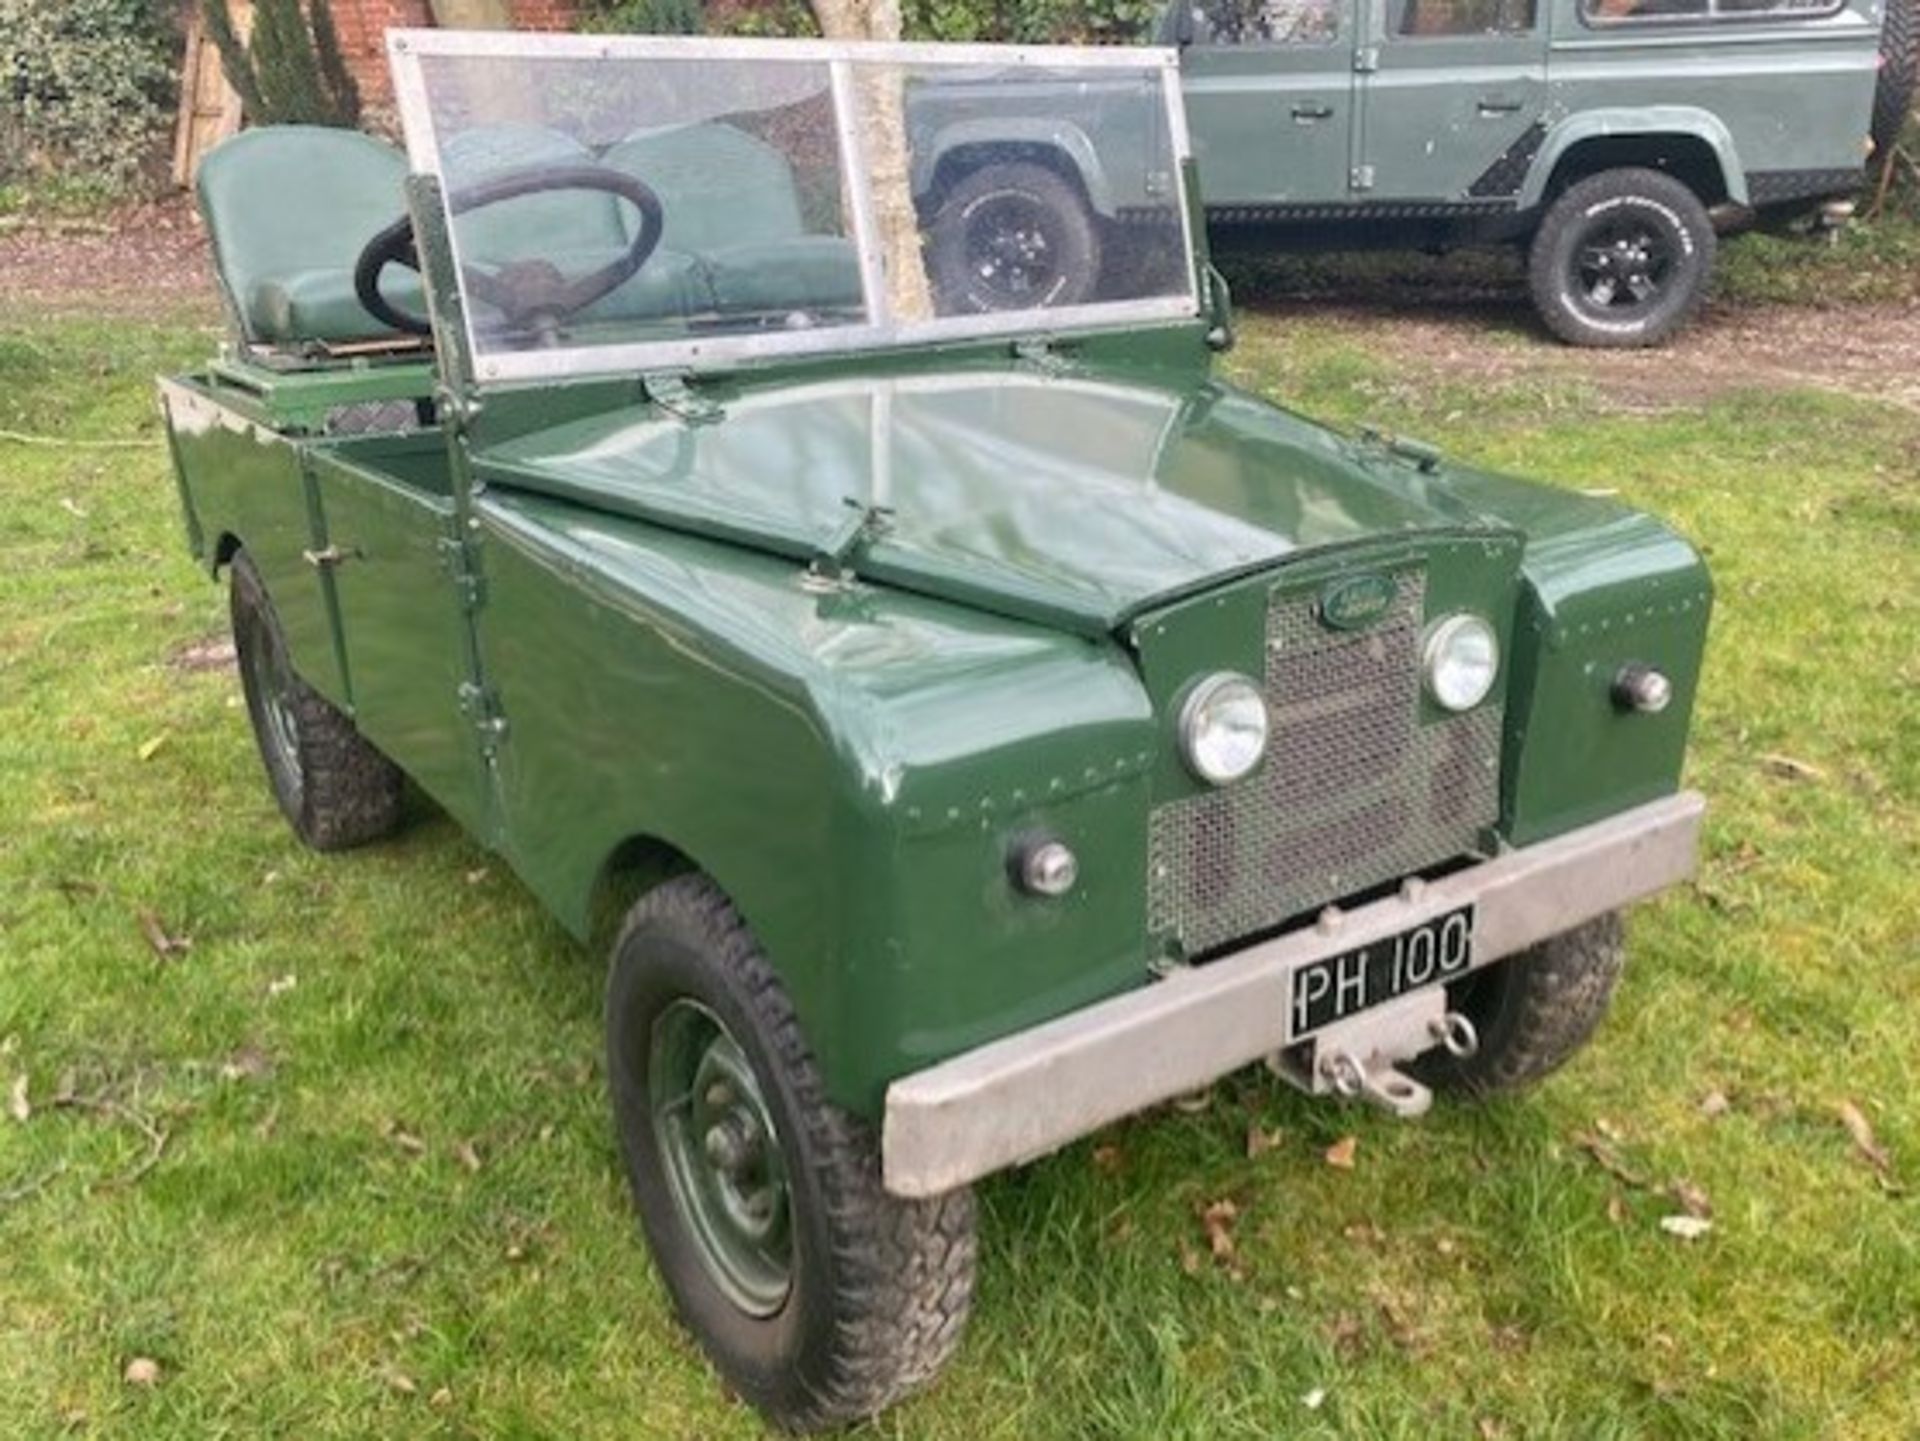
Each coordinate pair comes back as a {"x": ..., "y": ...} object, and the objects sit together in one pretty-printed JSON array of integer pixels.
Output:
[{"x": 880, "y": 98}]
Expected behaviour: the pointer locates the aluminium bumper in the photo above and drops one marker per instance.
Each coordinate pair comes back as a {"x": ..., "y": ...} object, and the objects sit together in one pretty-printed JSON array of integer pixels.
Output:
[{"x": 1017, "y": 1098}]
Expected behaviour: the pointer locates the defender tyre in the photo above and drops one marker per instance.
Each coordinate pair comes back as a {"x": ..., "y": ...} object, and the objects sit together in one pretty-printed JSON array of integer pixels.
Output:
[
  {"x": 1013, "y": 236},
  {"x": 1533, "y": 1011},
  {"x": 334, "y": 788},
  {"x": 1622, "y": 259},
  {"x": 821, "y": 1298},
  {"x": 1899, "y": 71}
]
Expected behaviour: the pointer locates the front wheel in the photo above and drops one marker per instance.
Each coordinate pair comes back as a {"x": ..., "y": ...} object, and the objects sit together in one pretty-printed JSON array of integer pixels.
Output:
[
  {"x": 1532, "y": 1011},
  {"x": 1013, "y": 236},
  {"x": 821, "y": 1298},
  {"x": 1622, "y": 259}
]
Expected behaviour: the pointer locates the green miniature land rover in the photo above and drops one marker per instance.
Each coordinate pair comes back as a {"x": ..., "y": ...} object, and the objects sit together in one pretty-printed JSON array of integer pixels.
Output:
[
  {"x": 968, "y": 723},
  {"x": 1613, "y": 138}
]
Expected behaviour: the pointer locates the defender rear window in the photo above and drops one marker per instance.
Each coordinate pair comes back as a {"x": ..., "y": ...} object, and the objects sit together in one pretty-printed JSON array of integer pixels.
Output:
[
  {"x": 1267, "y": 22},
  {"x": 1657, "y": 12},
  {"x": 1422, "y": 18}
]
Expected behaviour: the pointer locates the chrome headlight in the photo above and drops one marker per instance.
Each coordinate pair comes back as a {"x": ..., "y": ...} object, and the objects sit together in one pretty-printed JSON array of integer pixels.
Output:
[
  {"x": 1462, "y": 660},
  {"x": 1223, "y": 728}
]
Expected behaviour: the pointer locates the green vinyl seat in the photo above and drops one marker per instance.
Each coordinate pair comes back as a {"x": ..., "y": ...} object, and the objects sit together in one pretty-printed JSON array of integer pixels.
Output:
[
  {"x": 288, "y": 209},
  {"x": 731, "y": 202}
]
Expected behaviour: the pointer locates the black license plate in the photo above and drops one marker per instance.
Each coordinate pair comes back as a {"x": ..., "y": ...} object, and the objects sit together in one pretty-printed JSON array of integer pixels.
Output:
[{"x": 1343, "y": 986}]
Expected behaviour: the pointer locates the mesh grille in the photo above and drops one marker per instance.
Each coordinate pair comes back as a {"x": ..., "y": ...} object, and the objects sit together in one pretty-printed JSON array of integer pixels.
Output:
[
  {"x": 373, "y": 417},
  {"x": 1355, "y": 791}
]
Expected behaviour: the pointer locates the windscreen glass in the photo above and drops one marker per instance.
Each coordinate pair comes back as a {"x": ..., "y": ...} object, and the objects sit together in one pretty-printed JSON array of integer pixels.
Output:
[{"x": 614, "y": 204}]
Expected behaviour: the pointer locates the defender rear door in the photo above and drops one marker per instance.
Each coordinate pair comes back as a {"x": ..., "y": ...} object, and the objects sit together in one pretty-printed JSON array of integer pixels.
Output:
[
  {"x": 1452, "y": 93},
  {"x": 1269, "y": 92}
]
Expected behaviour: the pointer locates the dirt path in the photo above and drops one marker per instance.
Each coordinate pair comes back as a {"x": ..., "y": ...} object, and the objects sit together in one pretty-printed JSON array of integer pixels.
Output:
[{"x": 157, "y": 254}]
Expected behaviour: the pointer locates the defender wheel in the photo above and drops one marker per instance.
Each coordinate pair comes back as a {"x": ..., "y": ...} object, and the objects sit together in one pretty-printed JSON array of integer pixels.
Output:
[
  {"x": 1533, "y": 1011},
  {"x": 1899, "y": 71},
  {"x": 334, "y": 788},
  {"x": 821, "y": 1298},
  {"x": 1622, "y": 259},
  {"x": 1013, "y": 236}
]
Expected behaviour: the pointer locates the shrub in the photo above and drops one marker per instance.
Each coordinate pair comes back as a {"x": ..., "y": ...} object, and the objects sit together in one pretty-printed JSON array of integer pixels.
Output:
[
  {"x": 86, "y": 88},
  {"x": 291, "y": 71}
]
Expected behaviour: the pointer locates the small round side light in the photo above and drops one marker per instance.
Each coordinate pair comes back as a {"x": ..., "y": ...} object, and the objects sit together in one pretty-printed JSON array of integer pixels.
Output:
[{"x": 1642, "y": 688}]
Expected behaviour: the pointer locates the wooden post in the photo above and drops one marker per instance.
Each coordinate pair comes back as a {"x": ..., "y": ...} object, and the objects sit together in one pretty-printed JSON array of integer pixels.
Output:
[{"x": 209, "y": 107}]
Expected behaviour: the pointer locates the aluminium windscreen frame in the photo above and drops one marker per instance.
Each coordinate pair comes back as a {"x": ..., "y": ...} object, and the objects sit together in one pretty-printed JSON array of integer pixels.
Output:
[{"x": 406, "y": 48}]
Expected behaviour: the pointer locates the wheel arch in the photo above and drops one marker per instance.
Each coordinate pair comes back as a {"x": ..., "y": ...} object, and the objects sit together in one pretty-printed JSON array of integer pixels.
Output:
[
  {"x": 963, "y": 148},
  {"x": 632, "y": 867},
  {"x": 1692, "y": 145}
]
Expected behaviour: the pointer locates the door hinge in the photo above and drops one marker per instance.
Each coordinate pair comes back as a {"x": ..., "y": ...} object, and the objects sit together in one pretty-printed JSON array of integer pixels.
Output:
[
  {"x": 462, "y": 565},
  {"x": 670, "y": 391},
  {"x": 1043, "y": 353},
  {"x": 1363, "y": 177},
  {"x": 1366, "y": 60},
  {"x": 481, "y": 706}
]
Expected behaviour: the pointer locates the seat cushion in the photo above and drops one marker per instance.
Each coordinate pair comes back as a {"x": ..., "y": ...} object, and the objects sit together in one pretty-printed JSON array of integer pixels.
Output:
[
  {"x": 717, "y": 185},
  {"x": 669, "y": 285},
  {"x": 809, "y": 272},
  {"x": 289, "y": 201},
  {"x": 321, "y": 305}
]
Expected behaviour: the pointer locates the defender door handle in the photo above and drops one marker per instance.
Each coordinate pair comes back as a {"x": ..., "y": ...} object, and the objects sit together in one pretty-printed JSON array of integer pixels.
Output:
[
  {"x": 1491, "y": 106},
  {"x": 1306, "y": 111}
]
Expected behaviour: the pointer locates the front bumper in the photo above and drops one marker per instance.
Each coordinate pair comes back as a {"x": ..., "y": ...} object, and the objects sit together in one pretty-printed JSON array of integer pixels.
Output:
[{"x": 1015, "y": 1099}]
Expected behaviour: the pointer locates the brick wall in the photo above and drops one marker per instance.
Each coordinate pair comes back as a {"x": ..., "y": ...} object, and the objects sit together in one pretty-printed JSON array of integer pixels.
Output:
[{"x": 363, "y": 25}]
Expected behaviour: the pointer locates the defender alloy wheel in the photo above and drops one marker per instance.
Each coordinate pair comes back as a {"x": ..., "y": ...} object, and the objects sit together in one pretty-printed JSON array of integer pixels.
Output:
[
  {"x": 1013, "y": 236},
  {"x": 821, "y": 1298},
  {"x": 1622, "y": 259},
  {"x": 334, "y": 788}
]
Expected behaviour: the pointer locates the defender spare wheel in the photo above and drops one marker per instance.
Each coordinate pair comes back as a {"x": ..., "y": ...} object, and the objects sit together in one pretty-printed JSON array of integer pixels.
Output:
[
  {"x": 1013, "y": 236},
  {"x": 1622, "y": 259}
]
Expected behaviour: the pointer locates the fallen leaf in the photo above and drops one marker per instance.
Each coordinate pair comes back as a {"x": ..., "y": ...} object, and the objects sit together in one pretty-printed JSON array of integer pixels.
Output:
[
  {"x": 1616, "y": 1209},
  {"x": 474, "y": 877},
  {"x": 73, "y": 507},
  {"x": 1315, "y": 1399},
  {"x": 468, "y": 1155},
  {"x": 441, "y": 1398},
  {"x": 1340, "y": 1154},
  {"x": 1260, "y": 1141},
  {"x": 1609, "y": 1161},
  {"x": 1348, "y": 1333},
  {"x": 164, "y": 946},
  {"x": 405, "y": 1139},
  {"x": 400, "y": 1381},
  {"x": 1217, "y": 1220},
  {"x": 67, "y": 1088},
  {"x": 17, "y": 1104},
  {"x": 142, "y": 1371},
  {"x": 280, "y": 985},
  {"x": 1364, "y": 1233},
  {"x": 1687, "y": 1228},
  {"x": 1864, "y": 1141},
  {"x": 249, "y": 1063},
  {"x": 1106, "y": 1158},
  {"x": 151, "y": 748},
  {"x": 1715, "y": 1104},
  {"x": 1693, "y": 1200},
  {"x": 1791, "y": 768},
  {"x": 516, "y": 1252},
  {"x": 1189, "y": 1259},
  {"x": 1194, "y": 1102},
  {"x": 1489, "y": 1429}
]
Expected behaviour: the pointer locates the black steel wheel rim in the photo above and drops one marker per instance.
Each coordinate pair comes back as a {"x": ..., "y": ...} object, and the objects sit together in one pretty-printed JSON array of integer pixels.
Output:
[
  {"x": 1013, "y": 254},
  {"x": 1623, "y": 267},
  {"x": 721, "y": 1153}
]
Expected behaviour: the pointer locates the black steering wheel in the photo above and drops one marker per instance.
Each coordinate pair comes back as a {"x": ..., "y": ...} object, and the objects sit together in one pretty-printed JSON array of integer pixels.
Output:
[{"x": 531, "y": 295}]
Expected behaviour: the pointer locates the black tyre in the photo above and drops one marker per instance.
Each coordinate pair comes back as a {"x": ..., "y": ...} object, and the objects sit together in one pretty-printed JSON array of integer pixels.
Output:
[
  {"x": 1533, "y": 1011},
  {"x": 820, "y": 1297},
  {"x": 1899, "y": 70},
  {"x": 1013, "y": 236},
  {"x": 335, "y": 789},
  {"x": 1623, "y": 258}
]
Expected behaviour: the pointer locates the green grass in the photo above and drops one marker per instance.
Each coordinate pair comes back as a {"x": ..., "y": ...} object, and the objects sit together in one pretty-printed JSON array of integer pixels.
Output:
[{"x": 310, "y": 1257}]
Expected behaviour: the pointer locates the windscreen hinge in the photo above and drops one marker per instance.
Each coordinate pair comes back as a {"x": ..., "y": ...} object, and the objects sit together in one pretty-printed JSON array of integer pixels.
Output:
[
  {"x": 1043, "y": 353},
  {"x": 834, "y": 555},
  {"x": 458, "y": 559},
  {"x": 670, "y": 391}
]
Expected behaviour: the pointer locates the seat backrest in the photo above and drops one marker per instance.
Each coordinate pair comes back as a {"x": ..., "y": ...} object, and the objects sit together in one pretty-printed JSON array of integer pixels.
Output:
[
  {"x": 284, "y": 199},
  {"x": 718, "y": 185},
  {"x": 527, "y": 226}
]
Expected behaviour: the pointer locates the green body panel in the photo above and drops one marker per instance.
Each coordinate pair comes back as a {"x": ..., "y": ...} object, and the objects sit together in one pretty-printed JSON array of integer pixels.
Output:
[
  {"x": 853, "y": 761},
  {"x": 1371, "y": 117}
]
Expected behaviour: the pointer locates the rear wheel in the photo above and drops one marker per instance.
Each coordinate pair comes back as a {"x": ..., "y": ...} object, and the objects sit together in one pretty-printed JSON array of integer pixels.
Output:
[
  {"x": 1013, "y": 236},
  {"x": 1533, "y": 1011},
  {"x": 334, "y": 788},
  {"x": 1622, "y": 259},
  {"x": 820, "y": 1297}
]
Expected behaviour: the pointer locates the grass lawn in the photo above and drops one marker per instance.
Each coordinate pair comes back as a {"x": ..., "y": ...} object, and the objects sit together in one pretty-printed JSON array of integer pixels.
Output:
[{"x": 339, "y": 1162}]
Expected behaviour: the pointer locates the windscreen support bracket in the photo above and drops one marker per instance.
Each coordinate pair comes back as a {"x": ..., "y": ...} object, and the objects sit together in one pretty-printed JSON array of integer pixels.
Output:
[{"x": 670, "y": 391}]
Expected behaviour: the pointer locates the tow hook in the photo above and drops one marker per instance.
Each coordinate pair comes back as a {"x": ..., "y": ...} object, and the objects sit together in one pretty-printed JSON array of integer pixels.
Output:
[
  {"x": 1456, "y": 1033},
  {"x": 1379, "y": 1081}
]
